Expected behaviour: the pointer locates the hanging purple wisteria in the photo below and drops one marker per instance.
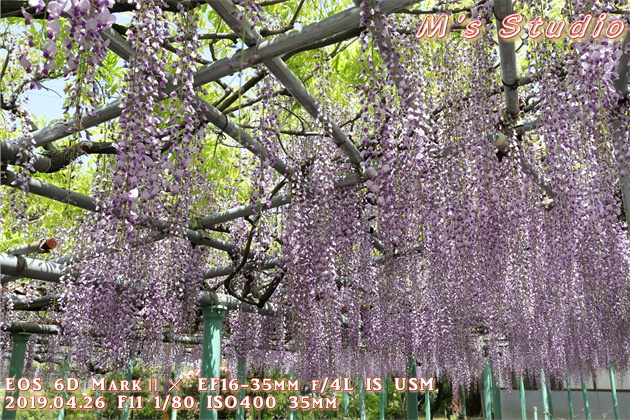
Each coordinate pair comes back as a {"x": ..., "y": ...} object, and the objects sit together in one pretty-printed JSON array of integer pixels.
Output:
[{"x": 470, "y": 235}]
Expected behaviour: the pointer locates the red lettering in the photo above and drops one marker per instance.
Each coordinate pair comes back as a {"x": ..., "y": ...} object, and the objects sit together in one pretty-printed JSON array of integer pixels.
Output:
[
  {"x": 599, "y": 26},
  {"x": 616, "y": 29},
  {"x": 555, "y": 29},
  {"x": 578, "y": 29},
  {"x": 472, "y": 31},
  {"x": 534, "y": 27},
  {"x": 429, "y": 28},
  {"x": 512, "y": 26}
]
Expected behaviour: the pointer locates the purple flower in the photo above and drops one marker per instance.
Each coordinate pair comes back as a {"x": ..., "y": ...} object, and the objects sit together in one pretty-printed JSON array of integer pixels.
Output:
[
  {"x": 25, "y": 62},
  {"x": 54, "y": 29},
  {"x": 49, "y": 49},
  {"x": 39, "y": 5},
  {"x": 28, "y": 17},
  {"x": 55, "y": 9}
]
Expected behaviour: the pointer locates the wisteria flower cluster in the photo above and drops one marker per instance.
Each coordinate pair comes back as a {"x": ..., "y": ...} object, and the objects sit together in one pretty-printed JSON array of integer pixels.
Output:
[{"x": 448, "y": 251}]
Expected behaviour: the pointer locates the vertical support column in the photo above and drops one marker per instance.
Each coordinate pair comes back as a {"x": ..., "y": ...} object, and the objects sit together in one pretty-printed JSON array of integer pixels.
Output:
[
  {"x": 613, "y": 390},
  {"x": 521, "y": 394},
  {"x": 546, "y": 396},
  {"x": 587, "y": 409},
  {"x": 97, "y": 393},
  {"x": 211, "y": 358},
  {"x": 16, "y": 366},
  {"x": 382, "y": 401},
  {"x": 346, "y": 405},
  {"x": 427, "y": 404},
  {"x": 570, "y": 396},
  {"x": 412, "y": 397},
  {"x": 496, "y": 398},
  {"x": 550, "y": 396},
  {"x": 241, "y": 374},
  {"x": 293, "y": 413},
  {"x": 362, "y": 415},
  {"x": 176, "y": 374},
  {"x": 487, "y": 391},
  {"x": 462, "y": 392},
  {"x": 61, "y": 413},
  {"x": 124, "y": 414}
]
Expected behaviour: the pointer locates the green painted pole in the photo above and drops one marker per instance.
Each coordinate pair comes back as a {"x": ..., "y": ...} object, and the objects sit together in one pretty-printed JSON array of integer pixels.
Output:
[
  {"x": 16, "y": 366},
  {"x": 427, "y": 404},
  {"x": 496, "y": 398},
  {"x": 587, "y": 409},
  {"x": 124, "y": 414},
  {"x": 535, "y": 413},
  {"x": 292, "y": 413},
  {"x": 346, "y": 405},
  {"x": 546, "y": 394},
  {"x": 613, "y": 390},
  {"x": 241, "y": 373},
  {"x": 176, "y": 374},
  {"x": 412, "y": 397},
  {"x": 462, "y": 392},
  {"x": 362, "y": 415},
  {"x": 521, "y": 394},
  {"x": 211, "y": 357},
  {"x": 97, "y": 393},
  {"x": 547, "y": 411},
  {"x": 550, "y": 397},
  {"x": 570, "y": 395},
  {"x": 487, "y": 391},
  {"x": 382, "y": 401},
  {"x": 61, "y": 413}
]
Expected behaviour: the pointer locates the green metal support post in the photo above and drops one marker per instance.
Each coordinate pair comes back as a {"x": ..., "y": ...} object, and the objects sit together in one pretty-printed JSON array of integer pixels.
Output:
[
  {"x": 427, "y": 404},
  {"x": 346, "y": 405},
  {"x": 61, "y": 413},
  {"x": 211, "y": 357},
  {"x": 293, "y": 413},
  {"x": 587, "y": 410},
  {"x": 521, "y": 394},
  {"x": 546, "y": 397},
  {"x": 487, "y": 391},
  {"x": 496, "y": 398},
  {"x": 382, "y": 401},
  {"x": 613, "y": 390},
  {"x": 97, "y": 393},
  {"x": 550, "y": 401},
  {"x": 412, "y": 397},
  {"x": 16, "y": 366},
  {"x": 362, "y": 410},
  {"x": 124, "y": 414},
  {"x": 241, "y": 374},
  {"x": 176, "y": 374},
  {"x": 569, "y": 394},
  {"x": 462, "y": 392}
]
